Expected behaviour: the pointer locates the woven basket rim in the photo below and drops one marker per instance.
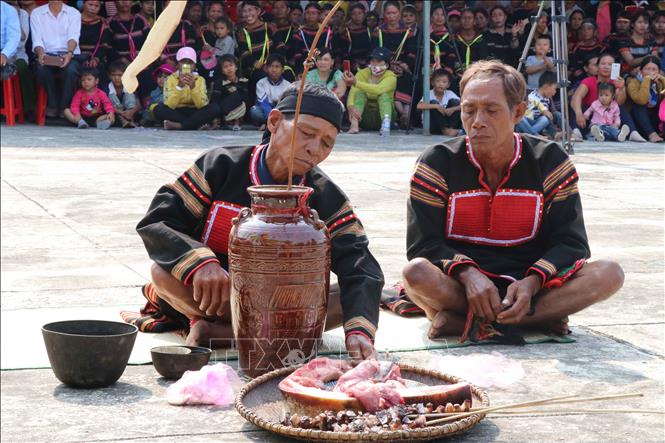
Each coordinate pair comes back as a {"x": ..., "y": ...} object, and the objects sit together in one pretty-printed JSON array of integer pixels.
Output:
[{"x": 431, "y": 432}]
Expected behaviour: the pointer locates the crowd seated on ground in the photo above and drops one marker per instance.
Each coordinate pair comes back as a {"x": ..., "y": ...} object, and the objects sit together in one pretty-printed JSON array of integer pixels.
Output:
[{"x": 242, "y": 54}]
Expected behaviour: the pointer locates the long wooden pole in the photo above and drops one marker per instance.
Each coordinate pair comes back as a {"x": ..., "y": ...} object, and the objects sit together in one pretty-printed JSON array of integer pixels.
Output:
[
  {"x": 541, "y": 402},
  {"x": 310, "y": 55}
]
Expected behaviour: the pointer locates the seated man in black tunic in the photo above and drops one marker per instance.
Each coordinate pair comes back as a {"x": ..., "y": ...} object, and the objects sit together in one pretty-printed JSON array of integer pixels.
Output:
[
  {"x": 495, "y": 228},
  {"x": 186, "y": 228}
]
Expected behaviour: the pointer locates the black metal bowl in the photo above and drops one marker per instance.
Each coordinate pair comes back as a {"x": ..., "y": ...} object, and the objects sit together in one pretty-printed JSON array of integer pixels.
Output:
[
  {"x": 172, "y": 361},
  {"x": 89, "y": 353}
]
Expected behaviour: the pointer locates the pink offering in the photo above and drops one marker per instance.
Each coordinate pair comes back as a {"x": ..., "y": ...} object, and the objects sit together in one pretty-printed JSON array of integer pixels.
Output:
[{"x": 212, "y": 385}]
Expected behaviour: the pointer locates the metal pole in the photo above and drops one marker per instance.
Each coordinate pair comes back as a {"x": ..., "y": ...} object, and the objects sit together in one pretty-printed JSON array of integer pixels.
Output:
[
  {"x": 560, "y": 48},
  {"x": 530, "y": 37},
  {"x": 425, "y": 57}
]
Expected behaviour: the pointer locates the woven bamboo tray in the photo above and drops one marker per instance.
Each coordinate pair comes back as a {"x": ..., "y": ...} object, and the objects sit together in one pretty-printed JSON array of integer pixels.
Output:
[{"x": 261, "y": 402}]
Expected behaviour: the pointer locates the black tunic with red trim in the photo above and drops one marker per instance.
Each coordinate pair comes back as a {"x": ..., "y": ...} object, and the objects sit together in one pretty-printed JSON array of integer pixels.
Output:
[
  {"x": 188, "y": 225},
  {"x": 532, "y": 224}
]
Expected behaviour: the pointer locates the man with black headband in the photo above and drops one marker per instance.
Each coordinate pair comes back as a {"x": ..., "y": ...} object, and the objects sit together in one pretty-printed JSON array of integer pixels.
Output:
[{"x": 190, "y": 286}]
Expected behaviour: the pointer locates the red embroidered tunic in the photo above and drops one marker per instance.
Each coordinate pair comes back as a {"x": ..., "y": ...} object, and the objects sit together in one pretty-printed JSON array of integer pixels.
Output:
[{"x": 532, "y": 224}]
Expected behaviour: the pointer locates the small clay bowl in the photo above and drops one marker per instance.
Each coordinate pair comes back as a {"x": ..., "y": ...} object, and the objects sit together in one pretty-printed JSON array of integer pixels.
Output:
[
  {"x": 172, "y": 361},
  {"x": 89, "y": 353}
]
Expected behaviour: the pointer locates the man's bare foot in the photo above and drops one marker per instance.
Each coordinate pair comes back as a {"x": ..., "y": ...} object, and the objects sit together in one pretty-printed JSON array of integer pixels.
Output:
[
  {"x": 216, "y": 334},
  {"x": 168, "y": 124},
  {"x": 558, "y": 327},
  {"x": 446, "y": 323}
]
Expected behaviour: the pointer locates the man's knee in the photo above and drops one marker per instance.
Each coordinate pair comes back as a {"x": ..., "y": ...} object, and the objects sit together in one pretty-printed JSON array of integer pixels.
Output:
[
  {"x": 417, "y": 272},
  {"x": 609, "y": 277},
  {"x": 158, "y": 275}
]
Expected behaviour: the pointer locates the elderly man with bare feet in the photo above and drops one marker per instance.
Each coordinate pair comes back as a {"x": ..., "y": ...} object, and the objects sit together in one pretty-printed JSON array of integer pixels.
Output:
[
  {"x": 496, "y": 236},
  {"x": 186, "y": 229}
]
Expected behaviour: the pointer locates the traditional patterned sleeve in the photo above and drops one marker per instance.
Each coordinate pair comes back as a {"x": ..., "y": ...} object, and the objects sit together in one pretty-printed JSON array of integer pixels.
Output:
[
  {"x": 358, "y": 273},
  {"x": 567, "y": 242},
  {"x": 168, "y": 229},
  {"x": 426, "y": 213}
]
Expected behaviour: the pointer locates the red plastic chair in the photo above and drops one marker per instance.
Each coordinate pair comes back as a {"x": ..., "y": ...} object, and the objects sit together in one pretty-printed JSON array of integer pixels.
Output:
[
  {"x": 12, "y": 101},
  {"x": 40, "y": 109}
]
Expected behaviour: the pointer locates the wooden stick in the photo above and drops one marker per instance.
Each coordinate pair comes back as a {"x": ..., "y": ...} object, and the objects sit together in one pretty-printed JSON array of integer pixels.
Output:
[
  {"x": 580, "y": 411},
  {"x": 310, "y": 55},
  {"x": 546, "y": 401}
]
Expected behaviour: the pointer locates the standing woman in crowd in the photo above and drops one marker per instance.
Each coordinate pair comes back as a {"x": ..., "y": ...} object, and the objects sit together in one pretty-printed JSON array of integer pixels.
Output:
[
  {"x": 214, "y": 11},
  {"x": 303, "y": 38},
  {"x": 95, "y": 40},
  {"x": 183, "y": 36},
  {"x": 281, "y": 27},
  {"x": 640, "y": 44},
  {"x": 575, "y": 19},
  {"x": 326, "y": 74},
  {"x": 398, "y": 39},
  {"x": 646, "y": 90},
  {"x": 128, "y": 32},
  {"x": 147, "y": 11},
  {"x": 658, "y": 30},
  {"x": 470, "y": 44},
  {"x": 355, "y": 40},
  {"x": 438, "y": 37},
  {"x": 255, "y": 43},
  {"x": 481, "y": 20},
  {"x": 194, "y": 15},
  {"x": 502, "y": 43}
]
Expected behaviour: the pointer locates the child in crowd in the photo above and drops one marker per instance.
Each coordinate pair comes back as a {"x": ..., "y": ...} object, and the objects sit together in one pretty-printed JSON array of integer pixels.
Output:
[
  {"x": 157, "y": 95},
  {"x": 539, "y": 116},
  {"x": 604, "y": 114},
  {"x": 125, "y": 103},
  {"x": 224, "y": 43},
  {"x": 269, "y": 90},
  {"x": 446, "y": 120},
  {"x": 230, "y": 92},
  {"x": 186, "y": 105},
  {"x": 538, "y": 63},
  {"x": 90, "y": 105}
]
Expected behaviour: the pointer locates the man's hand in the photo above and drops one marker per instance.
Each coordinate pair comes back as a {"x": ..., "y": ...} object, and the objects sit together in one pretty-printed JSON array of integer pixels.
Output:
[
  {"x": 442, "y": 110},
  {"x": 518, "y": 299},
  {"x": 211, "y": 289},
  {"x": 549, "y": 115},
  {"x": 448, "y": 111},
  {"x": 66, "y": 59},
  {"x": 360, "y": 347},
  {"x": 40, "y": 57},
  {"x": 481, "y": 293},
  {"x": 3, "y": 59}
]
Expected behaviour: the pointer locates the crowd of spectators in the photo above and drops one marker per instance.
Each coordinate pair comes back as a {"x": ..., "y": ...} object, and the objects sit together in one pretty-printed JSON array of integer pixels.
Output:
[{"x": 227, "y": 63}]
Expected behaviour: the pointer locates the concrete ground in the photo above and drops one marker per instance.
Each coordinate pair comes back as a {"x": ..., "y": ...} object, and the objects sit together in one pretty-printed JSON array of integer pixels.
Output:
[{"x": 70, "y": 201}]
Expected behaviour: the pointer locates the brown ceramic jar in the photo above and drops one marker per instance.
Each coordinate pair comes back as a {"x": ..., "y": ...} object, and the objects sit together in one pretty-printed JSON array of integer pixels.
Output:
[{"x": 279, "y": 264}]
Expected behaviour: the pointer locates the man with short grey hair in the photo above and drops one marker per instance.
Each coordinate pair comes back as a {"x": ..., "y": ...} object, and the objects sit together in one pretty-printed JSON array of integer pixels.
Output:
[{"x": 496, "y": 235}]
